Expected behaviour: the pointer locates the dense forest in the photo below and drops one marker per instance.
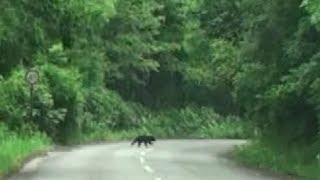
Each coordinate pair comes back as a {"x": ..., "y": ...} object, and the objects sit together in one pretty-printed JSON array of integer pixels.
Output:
[{"x": 174, "y": 68}]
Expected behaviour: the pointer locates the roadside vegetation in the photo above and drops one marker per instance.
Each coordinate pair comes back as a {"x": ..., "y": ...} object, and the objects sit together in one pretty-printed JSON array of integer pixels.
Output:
[
  {"x": 110, "y": 70},
  {"x": 289, "y": 161},
  {"x": 15, "y": 148}
]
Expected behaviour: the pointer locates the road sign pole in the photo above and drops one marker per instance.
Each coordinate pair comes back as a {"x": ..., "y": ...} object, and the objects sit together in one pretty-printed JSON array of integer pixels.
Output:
[
  {"x": 31, "y": 102},
  {"x": 32, "y": 77}
]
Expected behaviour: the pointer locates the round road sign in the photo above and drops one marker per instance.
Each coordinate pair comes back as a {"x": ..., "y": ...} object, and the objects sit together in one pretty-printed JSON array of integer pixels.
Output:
[{"x": 32, "y": 77}]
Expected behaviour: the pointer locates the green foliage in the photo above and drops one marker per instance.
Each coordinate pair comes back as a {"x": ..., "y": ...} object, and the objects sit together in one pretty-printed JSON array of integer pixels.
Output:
[
  {"x": 190, "y": 122},
  {"x": 274, "y": 70},
  {"x": 312, "y": 6},
  {"x": 275, "y": 81},
  {"x": 105, "y": 109},
  {"x": 86, "y": 9},
  {"x": 229, "y": 127},
  {"x": 185, "y": 121},
  {"x": 196, "y": 122},
  {"x": 56, "y": 103},
  {"x": 255, "y": 59},
  {"x": 267, "y": 157},
  {"x": 130, "y": 36},
  {"x": 222, "y": 19},
  {"x": 219, "y": 68},
  {"x": 16, "y": 148},
  {"x": 13, "y": 101},
  {"x": 67, "y": 94}
]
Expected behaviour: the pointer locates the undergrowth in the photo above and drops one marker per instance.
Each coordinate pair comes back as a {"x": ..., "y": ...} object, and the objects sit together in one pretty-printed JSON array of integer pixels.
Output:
[
  {"x": 190, "y": 122},
  {"x": 262, "y": 155},
  {"x": 15, "y": 149}
]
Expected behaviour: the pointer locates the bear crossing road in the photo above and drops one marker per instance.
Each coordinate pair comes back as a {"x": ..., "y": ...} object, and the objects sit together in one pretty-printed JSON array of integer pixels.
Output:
[{"x": 143, "y": 139}]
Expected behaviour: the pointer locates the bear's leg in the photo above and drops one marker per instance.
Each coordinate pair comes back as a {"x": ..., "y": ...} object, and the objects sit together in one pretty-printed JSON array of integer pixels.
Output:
[{"x": 146, "y": 143}]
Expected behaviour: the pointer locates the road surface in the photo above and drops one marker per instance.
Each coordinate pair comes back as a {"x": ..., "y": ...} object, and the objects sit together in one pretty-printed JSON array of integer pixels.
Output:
[{"x": 166, "y": 160}]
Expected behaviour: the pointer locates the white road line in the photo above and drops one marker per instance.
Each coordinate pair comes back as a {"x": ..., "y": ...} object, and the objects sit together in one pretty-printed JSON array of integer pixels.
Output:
[
  {"x": 148, "y": 169},
  {"x": 142, "y": 153},
  {"x": 142, "y": 160}
]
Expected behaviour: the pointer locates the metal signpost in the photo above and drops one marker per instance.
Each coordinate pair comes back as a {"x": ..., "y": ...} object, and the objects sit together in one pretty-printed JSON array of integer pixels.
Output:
[{"x": 32, "y": 77}]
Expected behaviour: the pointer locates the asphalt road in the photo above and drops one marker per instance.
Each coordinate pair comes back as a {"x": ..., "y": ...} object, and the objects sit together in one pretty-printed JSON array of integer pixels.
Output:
[{"x": 166, "y": 160}]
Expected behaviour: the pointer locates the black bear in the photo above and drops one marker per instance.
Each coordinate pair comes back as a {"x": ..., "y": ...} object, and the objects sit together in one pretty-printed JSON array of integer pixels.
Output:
[{"x": 144, "y": 139}]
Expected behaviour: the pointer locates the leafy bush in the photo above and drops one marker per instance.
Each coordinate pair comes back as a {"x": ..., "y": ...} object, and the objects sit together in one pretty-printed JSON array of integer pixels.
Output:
[
  {"x": 13, "y": 100},
  {"x": 105, "y": 109},
  {"x": 189, "y": 122},
  {"x": 16, "y": 148},
  {"x": 267, "y": 156},
  {"x": 15, "y": 103},
  {"x": 57, "y": 102},
  {"x": 197, "y": 122},
  {"x": 67, "y": 94}
]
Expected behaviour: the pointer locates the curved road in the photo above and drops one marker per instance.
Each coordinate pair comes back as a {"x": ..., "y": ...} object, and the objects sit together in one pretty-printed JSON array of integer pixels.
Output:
[{"x": 166, "y": 160}]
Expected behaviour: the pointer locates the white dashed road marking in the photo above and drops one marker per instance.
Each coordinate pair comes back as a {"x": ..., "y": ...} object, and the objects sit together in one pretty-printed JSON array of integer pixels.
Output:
[
  {"x": 142, "y": 153},
  {"x": 148, "y": 169},
  {"x": 143, "y": 162}
]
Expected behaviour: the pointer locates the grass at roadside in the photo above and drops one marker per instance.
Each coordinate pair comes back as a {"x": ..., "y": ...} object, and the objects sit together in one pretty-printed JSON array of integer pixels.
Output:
[
  {"x": 221, "y": 130},
  {"x": 15, "y": 149},
  {"x": 226, "y": 130},
  {"x": 260, "y": 155},
  {"x": 107, "y": 135},
  {"x": 187, "y": 123}
]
